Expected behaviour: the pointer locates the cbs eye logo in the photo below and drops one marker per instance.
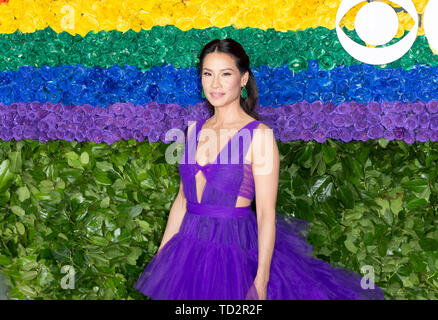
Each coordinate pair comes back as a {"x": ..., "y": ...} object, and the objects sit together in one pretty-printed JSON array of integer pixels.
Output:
[{"x": 376, "y": 23}]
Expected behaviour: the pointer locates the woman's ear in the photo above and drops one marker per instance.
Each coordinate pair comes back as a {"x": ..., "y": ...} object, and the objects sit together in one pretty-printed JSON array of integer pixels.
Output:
[{"x": 245, "y": 79}]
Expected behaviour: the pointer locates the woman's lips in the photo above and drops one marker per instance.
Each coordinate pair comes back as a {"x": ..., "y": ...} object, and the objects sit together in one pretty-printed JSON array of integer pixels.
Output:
[{"x": 217, "y": 95}]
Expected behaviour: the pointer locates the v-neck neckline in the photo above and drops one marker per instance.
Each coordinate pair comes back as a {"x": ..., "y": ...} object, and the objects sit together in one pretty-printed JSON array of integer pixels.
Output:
[{"x": 225, "y": 146}]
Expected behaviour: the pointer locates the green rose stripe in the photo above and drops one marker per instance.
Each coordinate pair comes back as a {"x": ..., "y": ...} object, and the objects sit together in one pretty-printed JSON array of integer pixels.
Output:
[{"x": 163, "y": 45}]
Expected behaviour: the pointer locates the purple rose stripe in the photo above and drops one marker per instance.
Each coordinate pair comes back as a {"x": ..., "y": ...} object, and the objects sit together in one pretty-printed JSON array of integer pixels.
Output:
[{"x": 410, "y": 122}]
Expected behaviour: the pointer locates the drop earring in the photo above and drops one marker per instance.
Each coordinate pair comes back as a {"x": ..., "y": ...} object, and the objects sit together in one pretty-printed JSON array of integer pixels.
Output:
[
  {"x": 244, "y": 93},
  {"x": 203, "y": 94}
]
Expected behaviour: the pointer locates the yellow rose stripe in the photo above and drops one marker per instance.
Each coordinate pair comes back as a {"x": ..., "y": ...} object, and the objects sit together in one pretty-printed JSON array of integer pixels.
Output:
[{"x": 81, "y": 17}]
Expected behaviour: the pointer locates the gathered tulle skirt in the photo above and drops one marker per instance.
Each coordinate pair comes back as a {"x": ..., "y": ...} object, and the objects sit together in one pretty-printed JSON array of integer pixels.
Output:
[{"x": 214, "y": 256}]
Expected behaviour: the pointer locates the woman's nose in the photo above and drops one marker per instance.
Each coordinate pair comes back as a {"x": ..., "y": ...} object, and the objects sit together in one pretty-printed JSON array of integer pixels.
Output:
[{"x": 216, "y": 82}]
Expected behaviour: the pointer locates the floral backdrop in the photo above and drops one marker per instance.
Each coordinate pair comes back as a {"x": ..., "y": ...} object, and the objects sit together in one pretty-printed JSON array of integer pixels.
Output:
[{"x": 88, "y": 91}]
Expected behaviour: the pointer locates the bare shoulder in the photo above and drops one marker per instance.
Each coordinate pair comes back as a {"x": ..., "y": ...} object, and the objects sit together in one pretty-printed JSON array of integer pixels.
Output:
[
  {"x": 262, "y": 125},
  {"x": 263, "y": 131},
  {"x": 263, "y": 141},
  {"x": 265, "y": 155}
]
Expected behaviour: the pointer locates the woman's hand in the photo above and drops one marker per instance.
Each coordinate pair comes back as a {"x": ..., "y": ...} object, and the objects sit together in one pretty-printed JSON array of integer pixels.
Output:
[{"x": 262, "y": 288}]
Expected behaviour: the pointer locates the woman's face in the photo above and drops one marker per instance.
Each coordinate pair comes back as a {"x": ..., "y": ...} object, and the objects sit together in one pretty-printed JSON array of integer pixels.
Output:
[{"x": 221, "y": 80}]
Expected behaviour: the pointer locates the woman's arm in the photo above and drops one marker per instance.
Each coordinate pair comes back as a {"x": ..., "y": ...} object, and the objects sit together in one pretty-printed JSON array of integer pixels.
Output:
[
  {"x": 176, "y": 216},
  {"x": 266, "y": 166},
  {"x": 177, "y": 212}
]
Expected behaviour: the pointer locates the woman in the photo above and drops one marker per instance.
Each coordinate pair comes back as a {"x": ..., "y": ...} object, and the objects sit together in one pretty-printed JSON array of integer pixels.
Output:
[{"x": 215, "y": 246}]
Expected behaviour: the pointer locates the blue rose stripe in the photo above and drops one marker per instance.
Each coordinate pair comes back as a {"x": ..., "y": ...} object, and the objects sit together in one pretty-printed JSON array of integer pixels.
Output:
[
  {"x": 78, "y": 85},
  {"x": 306, "y": 121}
]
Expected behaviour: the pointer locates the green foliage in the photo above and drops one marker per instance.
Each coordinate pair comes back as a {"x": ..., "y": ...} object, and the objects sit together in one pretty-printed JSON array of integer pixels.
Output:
[
  {"x": 369, "y": 203},
  {"x": 103, "y": 209},
  {"x": 100, "y": 209}
]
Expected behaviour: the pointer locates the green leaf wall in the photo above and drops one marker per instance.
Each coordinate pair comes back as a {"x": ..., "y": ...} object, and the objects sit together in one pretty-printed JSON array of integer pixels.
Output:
[{"x": 103, "y": 209}]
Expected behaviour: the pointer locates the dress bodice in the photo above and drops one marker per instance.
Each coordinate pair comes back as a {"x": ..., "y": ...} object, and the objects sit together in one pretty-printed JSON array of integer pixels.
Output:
[{"x": 226, "y": 178}]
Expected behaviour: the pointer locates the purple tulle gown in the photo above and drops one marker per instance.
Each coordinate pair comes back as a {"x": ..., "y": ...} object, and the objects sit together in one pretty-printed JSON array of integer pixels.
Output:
[{"x": 214, "y": 255}]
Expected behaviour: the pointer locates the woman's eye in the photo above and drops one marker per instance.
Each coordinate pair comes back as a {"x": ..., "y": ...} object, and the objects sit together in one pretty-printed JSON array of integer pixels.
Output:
[{"x": 207, "y": 74}]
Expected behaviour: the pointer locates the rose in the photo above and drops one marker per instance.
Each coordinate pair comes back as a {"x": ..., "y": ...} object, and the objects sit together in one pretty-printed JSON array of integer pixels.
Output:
[
  {"x": 333, "y": 133},
  {"x": 389, "y": 134},
  {"x": 396, "y": 107},
  {"x": 285, "y": 135},
  {"x": 5, "y": 133},
  {"x": 345, "y": 134},
  {"x": 423, "y": 120},
  {"x": 418, "y": 107},
  {"x": 343, "y": 108},
  {"x": 306, "y": 135},
  {"x": 281, "y": 121},
  {"x": 313, "y": 66},
  {"x": 337, "y": 120},
  {"x": 292, "y": 93},
  {"x": 329, "y": 107},
  {"x": 433, "y": 124},
  {"x": 341, "y": 86},
  {"x": 432, "y": 106},
  {"x": 387, "y": 121},
  {"x": 399, "y": 120},
  {"x": 374, "y": 108},
  {"x": 398, "y": 133},
  {"x": 307, "y": 122},
  {"x": 152, "y": 91},
  {"x": 348, "y": 120},
  {"x": 319, "y": 135},
  {"x": 411, "y": 122},
  {"x": 422, "y": 135},
  {"x": 375, "y": 131},
  {"x": 434, "y": 135},
  {"x": 318, "y": 117},
  {"x": 360, "y": 135},
  {"x": 409, "y": 137},
  {"x": 362, "y": 94}
]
